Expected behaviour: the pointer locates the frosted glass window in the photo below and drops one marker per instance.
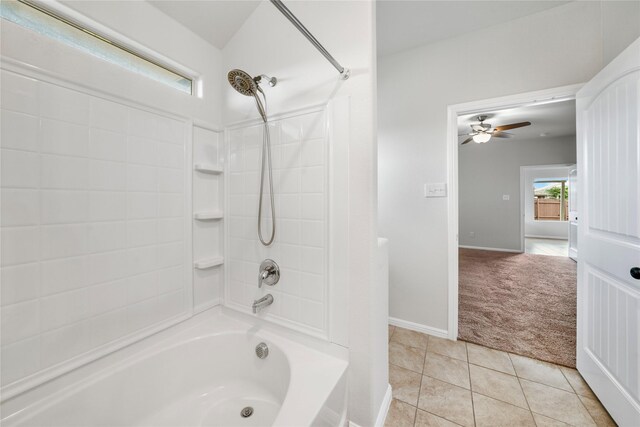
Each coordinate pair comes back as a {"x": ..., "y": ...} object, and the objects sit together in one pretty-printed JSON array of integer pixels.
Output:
[{"x": 58, "y": 28}]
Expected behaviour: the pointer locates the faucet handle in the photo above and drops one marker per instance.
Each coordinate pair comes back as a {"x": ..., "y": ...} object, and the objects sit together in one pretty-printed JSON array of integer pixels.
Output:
[{"x": 269, "y": 273}]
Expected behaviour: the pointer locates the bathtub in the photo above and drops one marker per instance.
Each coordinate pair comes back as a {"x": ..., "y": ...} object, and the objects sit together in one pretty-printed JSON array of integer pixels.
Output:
[{"x": 202, "y": 372}]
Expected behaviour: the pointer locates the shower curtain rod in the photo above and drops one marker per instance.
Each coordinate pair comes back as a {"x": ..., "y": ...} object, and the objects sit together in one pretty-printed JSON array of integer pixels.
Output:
[{"x": 344, "y": 72}]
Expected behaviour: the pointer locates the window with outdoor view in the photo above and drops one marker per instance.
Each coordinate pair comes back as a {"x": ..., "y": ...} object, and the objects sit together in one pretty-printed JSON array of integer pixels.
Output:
[{"x": 551, "y": 200}]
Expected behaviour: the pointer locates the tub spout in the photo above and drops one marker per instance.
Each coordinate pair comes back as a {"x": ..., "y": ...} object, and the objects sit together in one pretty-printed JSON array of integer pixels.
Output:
[{"x": 262, "y": 303}]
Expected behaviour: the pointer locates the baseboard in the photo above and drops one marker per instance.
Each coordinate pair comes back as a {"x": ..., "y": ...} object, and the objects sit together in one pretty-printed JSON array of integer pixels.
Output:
[
  {"x": 382, "y": 413},
  {"x": 490, "y": 249},
  {"x": 535, "y": 236},
  {"x": 441, "y": 333}
]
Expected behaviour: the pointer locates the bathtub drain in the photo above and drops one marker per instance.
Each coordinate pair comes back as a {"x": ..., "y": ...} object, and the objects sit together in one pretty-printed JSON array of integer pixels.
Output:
[{"x": 246, "y": 412}]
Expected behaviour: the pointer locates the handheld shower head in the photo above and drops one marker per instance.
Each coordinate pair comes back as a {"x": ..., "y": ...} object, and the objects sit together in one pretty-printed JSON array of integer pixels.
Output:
[{"x": 243, "y": 83}]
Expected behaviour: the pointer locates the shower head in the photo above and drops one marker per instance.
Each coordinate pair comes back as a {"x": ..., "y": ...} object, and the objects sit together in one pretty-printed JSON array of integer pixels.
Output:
[{"x": 246, "y": 85}]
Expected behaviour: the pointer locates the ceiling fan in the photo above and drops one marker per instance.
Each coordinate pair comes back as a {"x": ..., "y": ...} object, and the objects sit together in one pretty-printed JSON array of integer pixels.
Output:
[{"x": 483, "y": 132}]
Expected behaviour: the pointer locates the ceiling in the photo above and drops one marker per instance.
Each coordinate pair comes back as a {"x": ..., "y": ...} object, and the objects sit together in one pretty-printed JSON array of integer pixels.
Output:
[
  {"x": 215, "y": 21},
  {"x": 553, "y": 120},
  {"x": 405, "y": 24}
]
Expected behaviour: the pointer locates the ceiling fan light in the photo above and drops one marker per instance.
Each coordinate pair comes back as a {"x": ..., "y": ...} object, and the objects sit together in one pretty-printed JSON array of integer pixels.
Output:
[{"x": 481, "y": 137}]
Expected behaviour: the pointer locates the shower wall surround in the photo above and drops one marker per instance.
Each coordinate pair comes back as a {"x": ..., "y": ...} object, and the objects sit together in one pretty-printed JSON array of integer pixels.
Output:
[
  {"x": 94, "y": 225},
  {"x": 299, "y": 155}
]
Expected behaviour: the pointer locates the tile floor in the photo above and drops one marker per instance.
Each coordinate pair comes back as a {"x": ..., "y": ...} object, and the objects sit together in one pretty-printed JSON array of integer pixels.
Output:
[
  {"x": 551, "y": 247},
  {"x": 437, "y": 382}
]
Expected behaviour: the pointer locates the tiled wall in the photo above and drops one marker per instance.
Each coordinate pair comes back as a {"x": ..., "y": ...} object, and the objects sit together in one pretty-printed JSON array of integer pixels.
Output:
[
  {"x": 208, "y": 234},
  {"x": 299, "y": 153},
  {"x": 93, "y": 223}
]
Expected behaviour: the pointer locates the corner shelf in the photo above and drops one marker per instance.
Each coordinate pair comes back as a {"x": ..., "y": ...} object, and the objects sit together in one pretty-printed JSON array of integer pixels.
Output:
[
  {"x": 208, "y": 215},
  {"x": 205, "y": 168},
  {"x": 208, "y": 263}
]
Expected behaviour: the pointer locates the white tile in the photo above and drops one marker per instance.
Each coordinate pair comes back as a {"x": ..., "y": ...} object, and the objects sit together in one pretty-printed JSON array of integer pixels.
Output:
[
  {"x": 63, "y": 104},
  {"x": 63, "y": 138},
  {"x": 312, "y": 286},
  {"x": 109, "y": 176},
  {"x": 142, "y": 287},
  {"x": 142, "y": 123},
  {"x": 170, "y": 181},
  {"x": 62, "y": 344},
  {"x": 312, "y": 313},
  {"x": 141, "y": 314},
  {"x": 312, "y": 153},
  {"x": 108, "y": 115},
  {"x": 20, "y": 245},
  {"x": 107, "y": 206},
  {"x": 170, "y": 156},
  {"x": 142, "y": 233},
  {"x": 289, "y": 231},
  {"x": 236, "y": 161},
  {"x": 19, "y": 283},
  {"x": 170, "y": 230},
  {"x": 291, "y": 307},
  {"x": 142, "y": 151},
  {"x": 290, "y": 256},
  {"x": 289, "y": 281},
  {"x": 106, "y": 297},
  {"x": 20, "y": 359},
  {"x": 142, "y": 178},
  {"x": 63, "y": 309},
  {"x": 19, "y": 169},
  {"x": 288, "y": 206},
  {"x": 19, "y": 131},
  {"x": 106, "y": 236},
  {"x": 312, "y": 206},
  {"x": 19, "y": 207},
  {"x": 63, "y": 240},
  {"x": 64, "y": 275},
  {"x": 108, "y": 327},
  {"x": 236, "y": 183},
  {"x": 64, "y": 172},
  {"x": 60, "y": 206},
  {"x": 19, "y": 321},
  {"x": 169, "y": 130},
  {"x": 142, "y": 260},
  {"x": 252, "y": 157},
  {"x": 170, "y": 205},
  {"x": 312, "y": 233},
  {"x": 312, "y": 260},
  {"x": 312, "y": 125},
  {"x": 170, "y": 305},
  {"x": 288, "y": 181},
  {"x": 107, "y": 267},
  {"x": 106, "y": 145},
  {"x": 170, "y": 279},
  {"x": 312, "y": 179},
  {"x": 19, "y": 93},
  {"x": 170, "y": 254},
  {"x": 142, "y": 205}
]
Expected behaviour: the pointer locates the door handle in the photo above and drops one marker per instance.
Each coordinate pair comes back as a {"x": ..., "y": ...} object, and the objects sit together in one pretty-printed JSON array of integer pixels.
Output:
[{"x": 635, "y": 272}]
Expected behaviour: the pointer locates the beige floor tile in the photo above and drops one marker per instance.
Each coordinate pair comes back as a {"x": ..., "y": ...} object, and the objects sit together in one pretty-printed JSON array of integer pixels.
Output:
[
  {"x": 406, "y": 357},
  {"x": 446, "y": 400},
  {"x": 576, "y": 381},
  {"x": 557, "y": 404},
  {"x": 490, "y": 358},
  {"x": 391, "y": 330},
  {"x": 400, "y": 415},
  {"x": 538, "y": 371},
  {"x": 425, "y": 419},
  {"x": 493, "y": 413},
  {"x": 597, "y": 412},
  {"x": 542, "y": 421},
  {"x": 455, "y": 349},
  {"x": 447, "y": 369},
  {"x": 405, "y": 384},
  {"x": 410, "y": 338},
  {"x": 497, "y": 385}
]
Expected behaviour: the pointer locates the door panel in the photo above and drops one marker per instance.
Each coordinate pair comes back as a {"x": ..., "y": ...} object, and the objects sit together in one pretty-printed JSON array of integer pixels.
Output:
[{"x": 608, "y": 136}]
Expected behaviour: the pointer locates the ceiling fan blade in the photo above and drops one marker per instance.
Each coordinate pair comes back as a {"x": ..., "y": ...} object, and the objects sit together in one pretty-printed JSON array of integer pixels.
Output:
[
  {"x": 467, "y": 141},
  {"x": 512, "y": 126},
  {"x": 501, "y": 135}
]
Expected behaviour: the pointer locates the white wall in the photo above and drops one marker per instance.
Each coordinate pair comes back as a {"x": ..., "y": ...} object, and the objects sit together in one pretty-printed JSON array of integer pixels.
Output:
[
  {"x": 269, "y": 44},
  {"x": 543, "y": 229},
  {"x": 489, "y": 171},
  {"x": 557, "y": 47}
]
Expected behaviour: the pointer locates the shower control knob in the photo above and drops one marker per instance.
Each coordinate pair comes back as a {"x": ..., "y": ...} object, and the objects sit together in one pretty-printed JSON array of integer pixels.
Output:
[{"x": 269, "y": 273}]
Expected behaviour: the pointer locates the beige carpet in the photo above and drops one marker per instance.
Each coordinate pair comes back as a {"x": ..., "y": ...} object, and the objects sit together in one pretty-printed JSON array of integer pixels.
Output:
[{"x": 520, "y": 303}]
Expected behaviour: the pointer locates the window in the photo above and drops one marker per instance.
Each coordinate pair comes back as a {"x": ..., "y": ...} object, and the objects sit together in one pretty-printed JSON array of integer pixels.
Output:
[
  {"x": 551, "y": 200},
  {"x": 58, "y": 28}
]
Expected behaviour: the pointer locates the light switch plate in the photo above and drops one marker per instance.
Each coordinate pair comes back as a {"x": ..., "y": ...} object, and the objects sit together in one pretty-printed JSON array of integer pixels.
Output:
[
  {"x": 505, "y": 197},
  {"x": 437, "y": 189}
]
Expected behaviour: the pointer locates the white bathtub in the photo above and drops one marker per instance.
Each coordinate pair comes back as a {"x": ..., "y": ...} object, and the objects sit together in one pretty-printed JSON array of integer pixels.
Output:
[{"x": 202, "y": 372}]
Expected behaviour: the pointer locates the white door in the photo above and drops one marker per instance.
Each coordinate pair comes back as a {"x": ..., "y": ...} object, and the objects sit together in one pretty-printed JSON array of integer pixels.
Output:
[
  {"x": 573, "y": 214},
  {"x": 608, "y": 132}
]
